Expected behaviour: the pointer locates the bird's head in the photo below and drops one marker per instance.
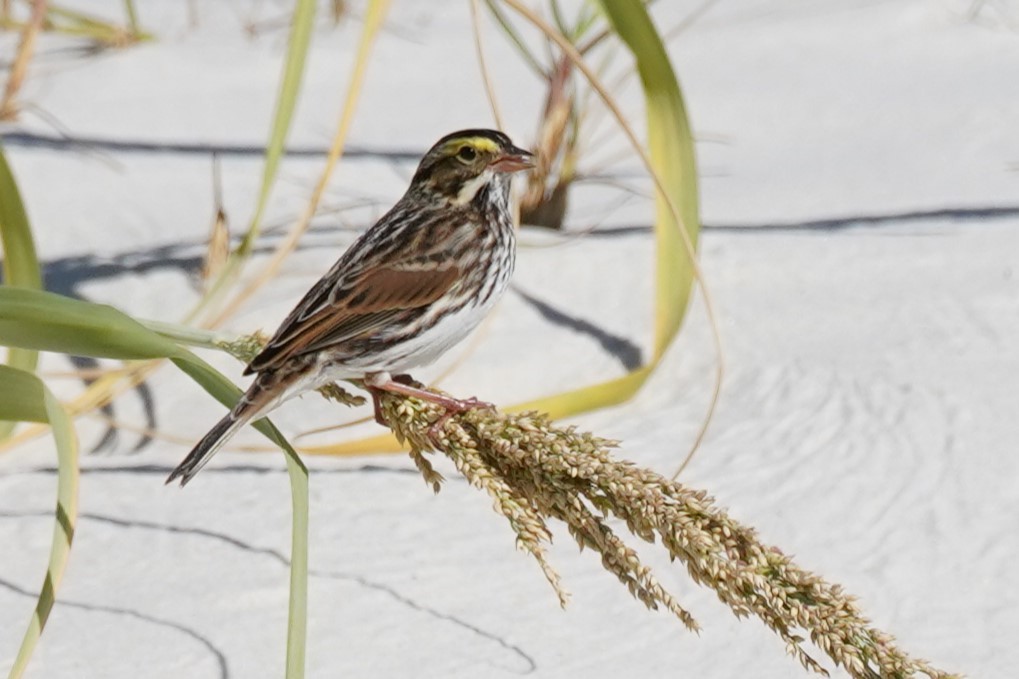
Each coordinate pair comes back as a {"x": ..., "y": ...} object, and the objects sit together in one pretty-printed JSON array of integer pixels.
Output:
[{"x": 463, "y": 163}]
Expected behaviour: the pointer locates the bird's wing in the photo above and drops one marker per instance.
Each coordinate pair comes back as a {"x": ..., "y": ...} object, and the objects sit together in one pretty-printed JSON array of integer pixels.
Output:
[{"x": 330, "y": 315}]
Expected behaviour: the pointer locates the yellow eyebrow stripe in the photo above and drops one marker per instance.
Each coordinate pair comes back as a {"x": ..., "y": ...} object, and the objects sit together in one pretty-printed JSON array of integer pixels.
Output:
[{"x": 482, "y": 144}]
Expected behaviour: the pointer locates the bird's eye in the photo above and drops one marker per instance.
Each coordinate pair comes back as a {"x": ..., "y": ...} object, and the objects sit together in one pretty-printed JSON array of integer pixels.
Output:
[{"x": 467, "y": 153}]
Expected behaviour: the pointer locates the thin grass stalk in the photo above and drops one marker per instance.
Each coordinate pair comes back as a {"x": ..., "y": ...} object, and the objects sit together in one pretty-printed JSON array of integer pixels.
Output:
[
  {"x": 298, "y": 43},
  {"x": 84, "y": 25},
  {"x": 525, "y": 52},
  {"x": 293, "y": 75},
  {"x": 132, "y": 18},
  {"x": 19, "y": 67},
  {"x": 479, "y": 50},
  {"x": 377, "y": 10},
  {"x": 297, "y": 611},
  {"x": 633, "y": 25},
  {"x": 631, "y": 21}
]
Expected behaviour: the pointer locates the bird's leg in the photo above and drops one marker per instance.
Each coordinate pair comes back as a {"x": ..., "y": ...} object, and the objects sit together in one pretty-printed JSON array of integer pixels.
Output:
[
  {"x": 375, "y": 391},
  {"x": 377, "y": 405},
  {"x": 405, "y": 385}
]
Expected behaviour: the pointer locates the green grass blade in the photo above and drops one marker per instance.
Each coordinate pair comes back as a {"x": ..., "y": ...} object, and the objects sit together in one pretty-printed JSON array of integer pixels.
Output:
[
  {"x": 559, "y": 20},
  {"x": 20, "y": 262},
  {"x": 297, "y": 616},
  {"x": 132, "y": 16},
  {"x": 670, "y": 143},
  {"x": 70, "y": 22},
  {"x": 44, "y": 321},
  {"x": 50, "y": 322},
  {"x": 290, "y": 85},
  {"x": 45, "y": 407},
  {"x": 21, "y": 396},
  {"x": 514, "y": 37},
  {"x": 80, "y": 18},
  {"x": 226, "y": 393}
]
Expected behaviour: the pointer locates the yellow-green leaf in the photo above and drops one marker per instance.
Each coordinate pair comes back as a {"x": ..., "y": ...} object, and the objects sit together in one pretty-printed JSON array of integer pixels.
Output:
[
  {"x": 41, "y": 406},
  {"x": 670, "y": 143},
  {"x": 50, "y": 322},
  {"x": 21, "y": 396},
  {"x": 45, "y": 321},
  {"x": 20, "y": 263}
]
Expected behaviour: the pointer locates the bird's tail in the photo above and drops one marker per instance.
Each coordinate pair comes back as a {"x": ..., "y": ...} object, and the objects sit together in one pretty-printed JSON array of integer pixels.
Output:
[{"x": 261, "y": 397}]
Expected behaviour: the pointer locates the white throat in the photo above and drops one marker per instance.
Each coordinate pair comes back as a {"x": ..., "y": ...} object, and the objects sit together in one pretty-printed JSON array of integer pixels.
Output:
[{"x": 471, "y": 188}]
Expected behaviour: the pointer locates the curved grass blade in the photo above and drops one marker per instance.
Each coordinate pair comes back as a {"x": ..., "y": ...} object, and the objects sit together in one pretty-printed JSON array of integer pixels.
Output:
[
  {"x": 39, "y": 405},
  {"x": 21, "y": 398},
  {"x": 670, "y": 143},
  {"x": 45, "y": 321},
  {"x": 672, "y": 164},
  {"x": 297, "y": 618},
  {"x": 20, "y": 262},
  {"x": 632, "y": 23}
]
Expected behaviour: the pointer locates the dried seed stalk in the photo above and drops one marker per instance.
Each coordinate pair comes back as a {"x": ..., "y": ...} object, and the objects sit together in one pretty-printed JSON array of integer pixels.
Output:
[{"x": 536, "y": 471}]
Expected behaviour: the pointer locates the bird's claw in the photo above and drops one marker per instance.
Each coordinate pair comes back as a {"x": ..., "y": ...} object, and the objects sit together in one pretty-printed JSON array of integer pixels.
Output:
[{"x": 455, "y": 407}]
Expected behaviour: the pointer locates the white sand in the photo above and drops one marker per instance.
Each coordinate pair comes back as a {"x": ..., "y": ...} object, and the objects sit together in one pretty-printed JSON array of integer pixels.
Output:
[{"x": 868, "y": 423}]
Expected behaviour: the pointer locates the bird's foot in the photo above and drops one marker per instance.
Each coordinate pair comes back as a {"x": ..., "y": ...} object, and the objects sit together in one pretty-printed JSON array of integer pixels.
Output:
[
  {"x": 407, "y": 386},
  {"x": 454, "y": 406}
]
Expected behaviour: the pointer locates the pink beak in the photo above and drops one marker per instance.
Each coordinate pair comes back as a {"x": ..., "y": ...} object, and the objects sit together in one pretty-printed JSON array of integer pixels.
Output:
[{"x": 513, "y": 160}]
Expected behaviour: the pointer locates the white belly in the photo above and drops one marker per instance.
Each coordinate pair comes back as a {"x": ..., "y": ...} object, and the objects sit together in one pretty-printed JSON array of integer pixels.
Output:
[{"x": 439, "y": 339}]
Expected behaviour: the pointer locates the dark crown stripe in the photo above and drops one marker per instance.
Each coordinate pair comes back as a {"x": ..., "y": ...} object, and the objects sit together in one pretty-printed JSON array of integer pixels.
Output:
[{"x": 496, "y": 136}]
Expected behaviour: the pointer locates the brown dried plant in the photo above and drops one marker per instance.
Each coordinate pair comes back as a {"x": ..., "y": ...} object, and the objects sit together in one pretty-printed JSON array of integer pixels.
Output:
[
  {"x": 544, "y": 201},
  {"x": 19, "y": 66}
]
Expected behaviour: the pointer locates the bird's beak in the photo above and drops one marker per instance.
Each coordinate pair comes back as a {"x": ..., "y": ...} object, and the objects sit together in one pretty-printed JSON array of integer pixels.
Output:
[{"x": 513, "y": 159}]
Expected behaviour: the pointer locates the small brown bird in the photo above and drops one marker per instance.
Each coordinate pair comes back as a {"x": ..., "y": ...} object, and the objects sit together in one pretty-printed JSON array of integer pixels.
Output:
[{"x": 407, "y": 290}]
